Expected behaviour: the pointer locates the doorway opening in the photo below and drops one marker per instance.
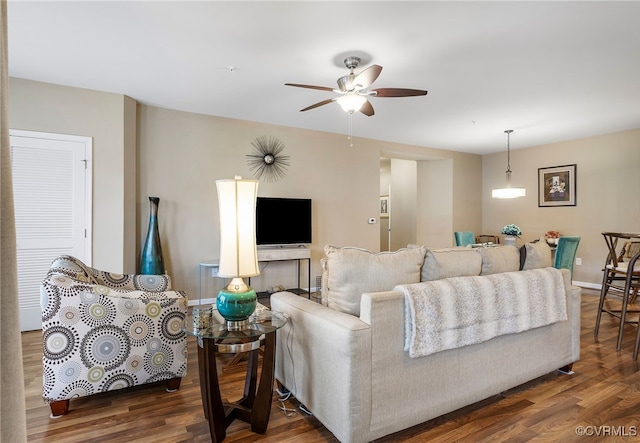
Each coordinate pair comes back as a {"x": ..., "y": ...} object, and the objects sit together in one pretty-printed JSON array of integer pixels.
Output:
[{"x": 418, "y": 193}]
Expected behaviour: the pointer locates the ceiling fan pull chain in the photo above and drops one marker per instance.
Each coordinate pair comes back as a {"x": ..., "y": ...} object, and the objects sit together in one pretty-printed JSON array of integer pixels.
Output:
[{"x": 351, "y": 129}]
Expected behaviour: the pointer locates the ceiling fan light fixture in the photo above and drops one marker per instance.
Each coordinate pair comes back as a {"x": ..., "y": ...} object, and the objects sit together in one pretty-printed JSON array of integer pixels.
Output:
[
  {"x": 351, "y": 102},
  {"x": 508, "y": 191}
]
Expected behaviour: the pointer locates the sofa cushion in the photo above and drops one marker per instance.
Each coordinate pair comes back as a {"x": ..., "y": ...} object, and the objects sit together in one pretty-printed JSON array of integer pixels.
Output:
[
  {"x": 499, "y": 259},
  {"x": 350, "y": 272},
  {"x": 450, "y": 262},
  {"x": 535, "y": 255}
]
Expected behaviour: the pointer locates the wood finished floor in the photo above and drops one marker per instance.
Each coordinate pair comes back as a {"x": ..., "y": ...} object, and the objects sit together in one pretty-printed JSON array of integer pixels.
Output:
[{"x": 604, "y": 391}]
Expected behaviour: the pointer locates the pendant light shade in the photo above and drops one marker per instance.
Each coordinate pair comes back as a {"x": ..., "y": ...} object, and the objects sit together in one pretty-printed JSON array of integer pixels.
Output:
[{"x": 508, "y": 191}]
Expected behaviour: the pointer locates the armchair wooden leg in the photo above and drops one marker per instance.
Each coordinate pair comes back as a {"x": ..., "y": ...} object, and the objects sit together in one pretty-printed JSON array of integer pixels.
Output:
[
  {"x": 59, "y": 408},
  {"x": 173, "y": 384}
]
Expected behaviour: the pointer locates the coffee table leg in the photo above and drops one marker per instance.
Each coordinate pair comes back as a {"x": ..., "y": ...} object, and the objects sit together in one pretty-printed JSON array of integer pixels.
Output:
[
  {"x": 251, "y": 379},
  {"x": 262, "y": 403},
  {"x": 210, "y": 390},
  {"x": 203, "y": 377}
]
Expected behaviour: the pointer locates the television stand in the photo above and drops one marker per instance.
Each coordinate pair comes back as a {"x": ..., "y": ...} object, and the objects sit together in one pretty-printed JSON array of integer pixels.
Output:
[{"x": 288, "y": 253}]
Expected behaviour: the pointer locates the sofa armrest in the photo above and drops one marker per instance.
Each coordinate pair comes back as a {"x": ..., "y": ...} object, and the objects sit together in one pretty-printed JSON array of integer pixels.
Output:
[
  {"x": 574, "y": 300},
  {"x": 315, "y": 341}
]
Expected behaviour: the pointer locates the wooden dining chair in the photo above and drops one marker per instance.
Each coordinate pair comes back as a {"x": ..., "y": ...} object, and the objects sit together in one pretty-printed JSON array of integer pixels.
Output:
[
  {"x": 620, "y": 279},
  {"x": 629, "y": 249},
  {"x": 488, "y": 238}
]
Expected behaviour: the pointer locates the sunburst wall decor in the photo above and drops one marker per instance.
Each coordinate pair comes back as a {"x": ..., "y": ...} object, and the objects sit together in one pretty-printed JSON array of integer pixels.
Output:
[{"x": 266, "y": 159}]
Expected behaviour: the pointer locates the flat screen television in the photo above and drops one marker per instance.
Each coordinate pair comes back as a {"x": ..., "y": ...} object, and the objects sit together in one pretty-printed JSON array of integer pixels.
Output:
[{"x": 283, "y": 221}]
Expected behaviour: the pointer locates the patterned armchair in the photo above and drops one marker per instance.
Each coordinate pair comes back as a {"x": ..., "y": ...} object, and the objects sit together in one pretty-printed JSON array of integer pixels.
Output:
[{"x": 103, "y": 332}]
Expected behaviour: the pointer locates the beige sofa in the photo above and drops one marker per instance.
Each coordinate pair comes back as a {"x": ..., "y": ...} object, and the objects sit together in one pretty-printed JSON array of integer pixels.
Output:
[{"x": 345, "y": 361}]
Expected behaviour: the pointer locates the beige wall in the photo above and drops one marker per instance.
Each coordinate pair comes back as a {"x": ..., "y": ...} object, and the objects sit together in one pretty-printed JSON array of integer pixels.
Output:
[
  {"x": 181, "y": 155},
  {"x": 435, "y": 203},
  {"x": 385, "y": 185},
  {"x": 467, "y": 173},
  {"x": 178, "y": 156},
  {"x": 607, "y": 184},
  {"x": 44, "y": 107},
  {"x": 403, "y": 201},
  {"x": 130, "y": 186}
]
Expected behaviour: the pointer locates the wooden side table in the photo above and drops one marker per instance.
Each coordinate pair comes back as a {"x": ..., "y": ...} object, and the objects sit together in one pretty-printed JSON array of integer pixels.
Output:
[{"x": 255, "y": 405}]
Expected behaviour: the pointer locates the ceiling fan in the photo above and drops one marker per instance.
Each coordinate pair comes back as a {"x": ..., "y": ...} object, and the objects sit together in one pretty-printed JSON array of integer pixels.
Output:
[{"x": 353, "y": 89}]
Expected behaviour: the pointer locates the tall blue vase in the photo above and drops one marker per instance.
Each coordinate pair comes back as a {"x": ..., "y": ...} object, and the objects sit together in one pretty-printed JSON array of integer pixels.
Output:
[{"x": 151, "y": 261}]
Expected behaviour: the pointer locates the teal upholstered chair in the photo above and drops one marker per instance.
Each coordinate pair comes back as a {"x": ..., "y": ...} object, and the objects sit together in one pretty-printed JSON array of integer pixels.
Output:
[
  {"x": 566, "y": 253},
  {"x": 464, "y": 238}
]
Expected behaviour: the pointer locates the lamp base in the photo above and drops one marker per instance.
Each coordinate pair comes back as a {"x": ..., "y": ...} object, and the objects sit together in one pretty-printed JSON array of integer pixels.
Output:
[
  {"x": 237, "y": 325},
  {"x": 236, "y": 307}
]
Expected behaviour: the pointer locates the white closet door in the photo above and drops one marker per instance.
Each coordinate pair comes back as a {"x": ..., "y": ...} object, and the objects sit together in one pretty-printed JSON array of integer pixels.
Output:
[{"x": 52, "y": 198}]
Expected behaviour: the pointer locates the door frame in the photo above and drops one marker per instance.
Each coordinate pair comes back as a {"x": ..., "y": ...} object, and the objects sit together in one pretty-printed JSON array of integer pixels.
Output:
[{"x": 81, "y": 146}]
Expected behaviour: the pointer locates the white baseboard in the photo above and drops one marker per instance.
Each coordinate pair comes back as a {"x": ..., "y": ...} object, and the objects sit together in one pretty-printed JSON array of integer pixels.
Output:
[{"x": 584, "y": 284}]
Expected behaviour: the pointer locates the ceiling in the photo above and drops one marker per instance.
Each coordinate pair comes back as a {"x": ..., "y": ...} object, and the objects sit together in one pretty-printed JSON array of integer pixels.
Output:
[{"x": 551, "y": 71}]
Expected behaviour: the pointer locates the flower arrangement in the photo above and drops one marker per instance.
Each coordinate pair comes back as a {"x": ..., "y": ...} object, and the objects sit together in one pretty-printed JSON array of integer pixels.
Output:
[
  {"x": 512, "y": 230},
  {"x": 552, "y": 237}
]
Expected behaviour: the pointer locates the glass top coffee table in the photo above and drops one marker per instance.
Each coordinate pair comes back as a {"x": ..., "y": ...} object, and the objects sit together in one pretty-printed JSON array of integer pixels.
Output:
[{"x": 215, "y": 337}]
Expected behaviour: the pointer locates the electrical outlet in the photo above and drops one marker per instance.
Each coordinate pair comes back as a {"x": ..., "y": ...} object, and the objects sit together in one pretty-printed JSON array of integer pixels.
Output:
[
  {"x": 372, "y": 221},
  {"x": 578, "y": 261},
  {"x": 214, "y": 272}
]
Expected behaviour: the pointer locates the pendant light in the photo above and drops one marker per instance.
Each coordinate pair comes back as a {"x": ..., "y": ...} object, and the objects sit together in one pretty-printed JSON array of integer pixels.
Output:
[{"x": 508, "y": 191}]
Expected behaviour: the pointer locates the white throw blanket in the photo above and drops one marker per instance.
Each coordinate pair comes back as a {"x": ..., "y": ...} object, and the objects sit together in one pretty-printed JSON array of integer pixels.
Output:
[{"x": 459, "y": 311}]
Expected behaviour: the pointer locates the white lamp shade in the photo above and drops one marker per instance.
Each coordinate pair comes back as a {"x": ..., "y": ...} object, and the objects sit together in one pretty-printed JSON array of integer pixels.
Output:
[
  {"x": 351, "y": 102},
  {"x": 508, "y": 192},
  {"x": 238, "y": 250}
]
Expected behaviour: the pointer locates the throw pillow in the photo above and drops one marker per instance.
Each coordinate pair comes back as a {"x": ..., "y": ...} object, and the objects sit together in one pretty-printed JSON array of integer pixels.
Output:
[
  {"x": 350, "y": 272},
  {"x": 536, "y": 255},
  {"x": 499, "y": 259},
  {"x": 450, "y": 262}
]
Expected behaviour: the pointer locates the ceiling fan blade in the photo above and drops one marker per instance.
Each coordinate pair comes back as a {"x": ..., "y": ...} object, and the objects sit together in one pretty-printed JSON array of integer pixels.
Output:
[
  {"x": 368, "y": 76},
  {"x": 367, "y": 109},
  {"x": 397, "y": 92},
  {"x": 316, "y": 105},
  {"x": 321, "y": 88}
]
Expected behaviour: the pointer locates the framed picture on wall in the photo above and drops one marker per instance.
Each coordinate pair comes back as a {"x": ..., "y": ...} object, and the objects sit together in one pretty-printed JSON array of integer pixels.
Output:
[
  {"x": 384, "y": 206},
  {"x": 557, "y": 186}
]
